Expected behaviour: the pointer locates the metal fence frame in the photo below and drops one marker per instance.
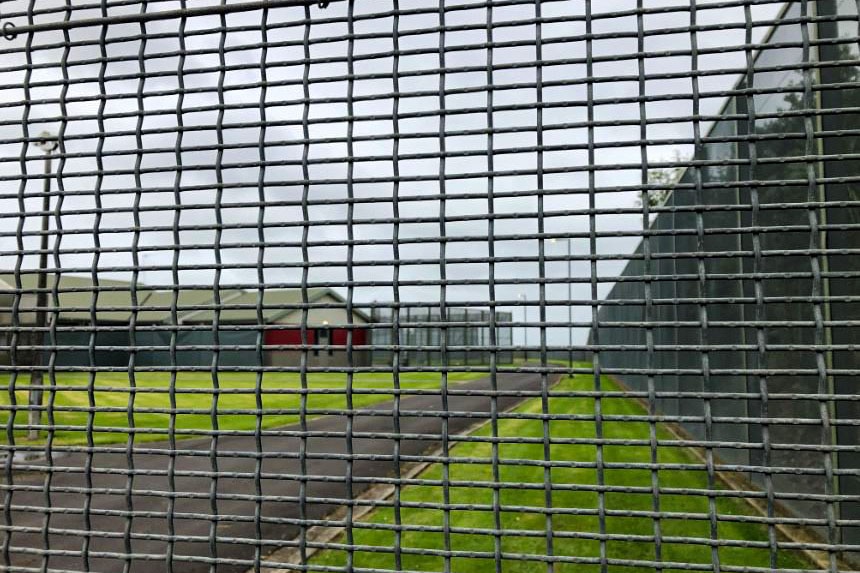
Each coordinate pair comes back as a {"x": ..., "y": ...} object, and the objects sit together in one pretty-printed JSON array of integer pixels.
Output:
[{"x": 310, "y": 246}]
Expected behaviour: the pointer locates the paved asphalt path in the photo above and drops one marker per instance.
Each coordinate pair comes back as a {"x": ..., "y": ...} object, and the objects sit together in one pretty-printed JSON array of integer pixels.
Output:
[{"x": 192, "y": 509}]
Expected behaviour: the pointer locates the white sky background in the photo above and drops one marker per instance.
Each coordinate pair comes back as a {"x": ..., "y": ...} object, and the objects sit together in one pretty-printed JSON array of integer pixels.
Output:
[{"x": 82, "y": 142}]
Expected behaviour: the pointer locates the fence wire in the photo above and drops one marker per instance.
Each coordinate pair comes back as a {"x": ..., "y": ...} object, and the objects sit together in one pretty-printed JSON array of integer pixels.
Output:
[{"x": 429, "y": 285}]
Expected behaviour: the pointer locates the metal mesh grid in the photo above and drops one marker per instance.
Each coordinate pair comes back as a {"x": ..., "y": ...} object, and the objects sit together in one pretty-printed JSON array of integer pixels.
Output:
[{"x": 424, "y": 285}]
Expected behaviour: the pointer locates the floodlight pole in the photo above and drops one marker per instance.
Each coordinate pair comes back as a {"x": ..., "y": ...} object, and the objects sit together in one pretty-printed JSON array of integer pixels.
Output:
[
  {"x": 522, "y": 297},
  {"x": 569, "y": 309},
  {"x": 47, "y": 143}
]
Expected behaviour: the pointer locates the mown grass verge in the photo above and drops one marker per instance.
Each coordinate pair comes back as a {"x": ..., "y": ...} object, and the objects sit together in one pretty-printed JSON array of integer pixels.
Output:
[
  {"x": 105, "y": 403},
  {"x": 684, "y": 523}
]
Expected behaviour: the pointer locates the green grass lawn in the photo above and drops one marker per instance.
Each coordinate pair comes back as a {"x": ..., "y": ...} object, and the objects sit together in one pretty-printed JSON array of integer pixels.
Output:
[
  {"x": 236, "y": 402},
  {"x": 571, "y": 531}
]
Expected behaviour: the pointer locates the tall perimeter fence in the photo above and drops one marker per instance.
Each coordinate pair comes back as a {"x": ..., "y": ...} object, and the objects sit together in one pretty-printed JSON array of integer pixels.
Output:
[
  {"x": 743, "y": 292},
  {"x": 429, "y": 285}
]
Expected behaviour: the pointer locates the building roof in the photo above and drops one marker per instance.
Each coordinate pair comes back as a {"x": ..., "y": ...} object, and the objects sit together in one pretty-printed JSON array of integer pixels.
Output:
[
  {"x": 240, "y": 306},
  {"x": 77, "y": 295},
  {"x": 111, "y": 301}
]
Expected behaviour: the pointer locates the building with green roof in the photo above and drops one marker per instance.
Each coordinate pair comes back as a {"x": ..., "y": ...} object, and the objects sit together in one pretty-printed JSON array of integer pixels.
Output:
[{"x": 107, "y": 322}]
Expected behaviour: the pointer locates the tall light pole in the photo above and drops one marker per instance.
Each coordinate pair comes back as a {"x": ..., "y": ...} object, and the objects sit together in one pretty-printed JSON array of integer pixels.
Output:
[
  {"x": 48, "y": 143},
  {"x": 522, "y": 297},
  {"x": 569, "y": 309}
]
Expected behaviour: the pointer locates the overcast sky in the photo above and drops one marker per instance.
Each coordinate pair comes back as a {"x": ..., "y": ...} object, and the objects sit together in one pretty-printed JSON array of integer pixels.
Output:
[{"x": 73, "y": 110}]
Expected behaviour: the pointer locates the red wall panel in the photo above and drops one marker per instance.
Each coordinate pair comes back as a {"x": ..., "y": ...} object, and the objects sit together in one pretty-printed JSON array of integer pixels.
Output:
[
  {"x": 293, "y": 336},
  {"x": 288, "y": 336},
  {"x": 338, "y": 336}
]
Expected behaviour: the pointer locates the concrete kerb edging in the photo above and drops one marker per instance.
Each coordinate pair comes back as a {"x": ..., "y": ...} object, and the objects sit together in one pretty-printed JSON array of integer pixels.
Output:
[
  {"x": 379, "y": 492},
  {"x": 737, "y": 482}
]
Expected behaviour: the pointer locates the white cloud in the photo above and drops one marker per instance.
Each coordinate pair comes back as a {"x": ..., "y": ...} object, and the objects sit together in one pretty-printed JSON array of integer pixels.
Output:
[{"x": 566, "y": 94}]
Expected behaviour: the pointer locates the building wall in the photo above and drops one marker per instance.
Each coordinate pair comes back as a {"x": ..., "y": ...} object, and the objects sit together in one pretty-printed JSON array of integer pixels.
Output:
[
  {"x": 194, "y": 344},
  {"x": 6, "y": 301},
  {"x": 26, "y": 337},
  {"x": 328, "y": 347},
  {"x": 198, "y": 345},
  {"x": 333, "y": 316}
]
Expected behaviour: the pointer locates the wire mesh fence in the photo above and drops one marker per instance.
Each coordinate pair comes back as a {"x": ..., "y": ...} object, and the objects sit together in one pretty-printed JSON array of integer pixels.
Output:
[{"x": 429, "y": 285}]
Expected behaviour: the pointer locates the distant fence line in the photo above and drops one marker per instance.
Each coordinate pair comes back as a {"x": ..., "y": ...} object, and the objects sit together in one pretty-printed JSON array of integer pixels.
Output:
[{"x": 421, "y": 331}]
